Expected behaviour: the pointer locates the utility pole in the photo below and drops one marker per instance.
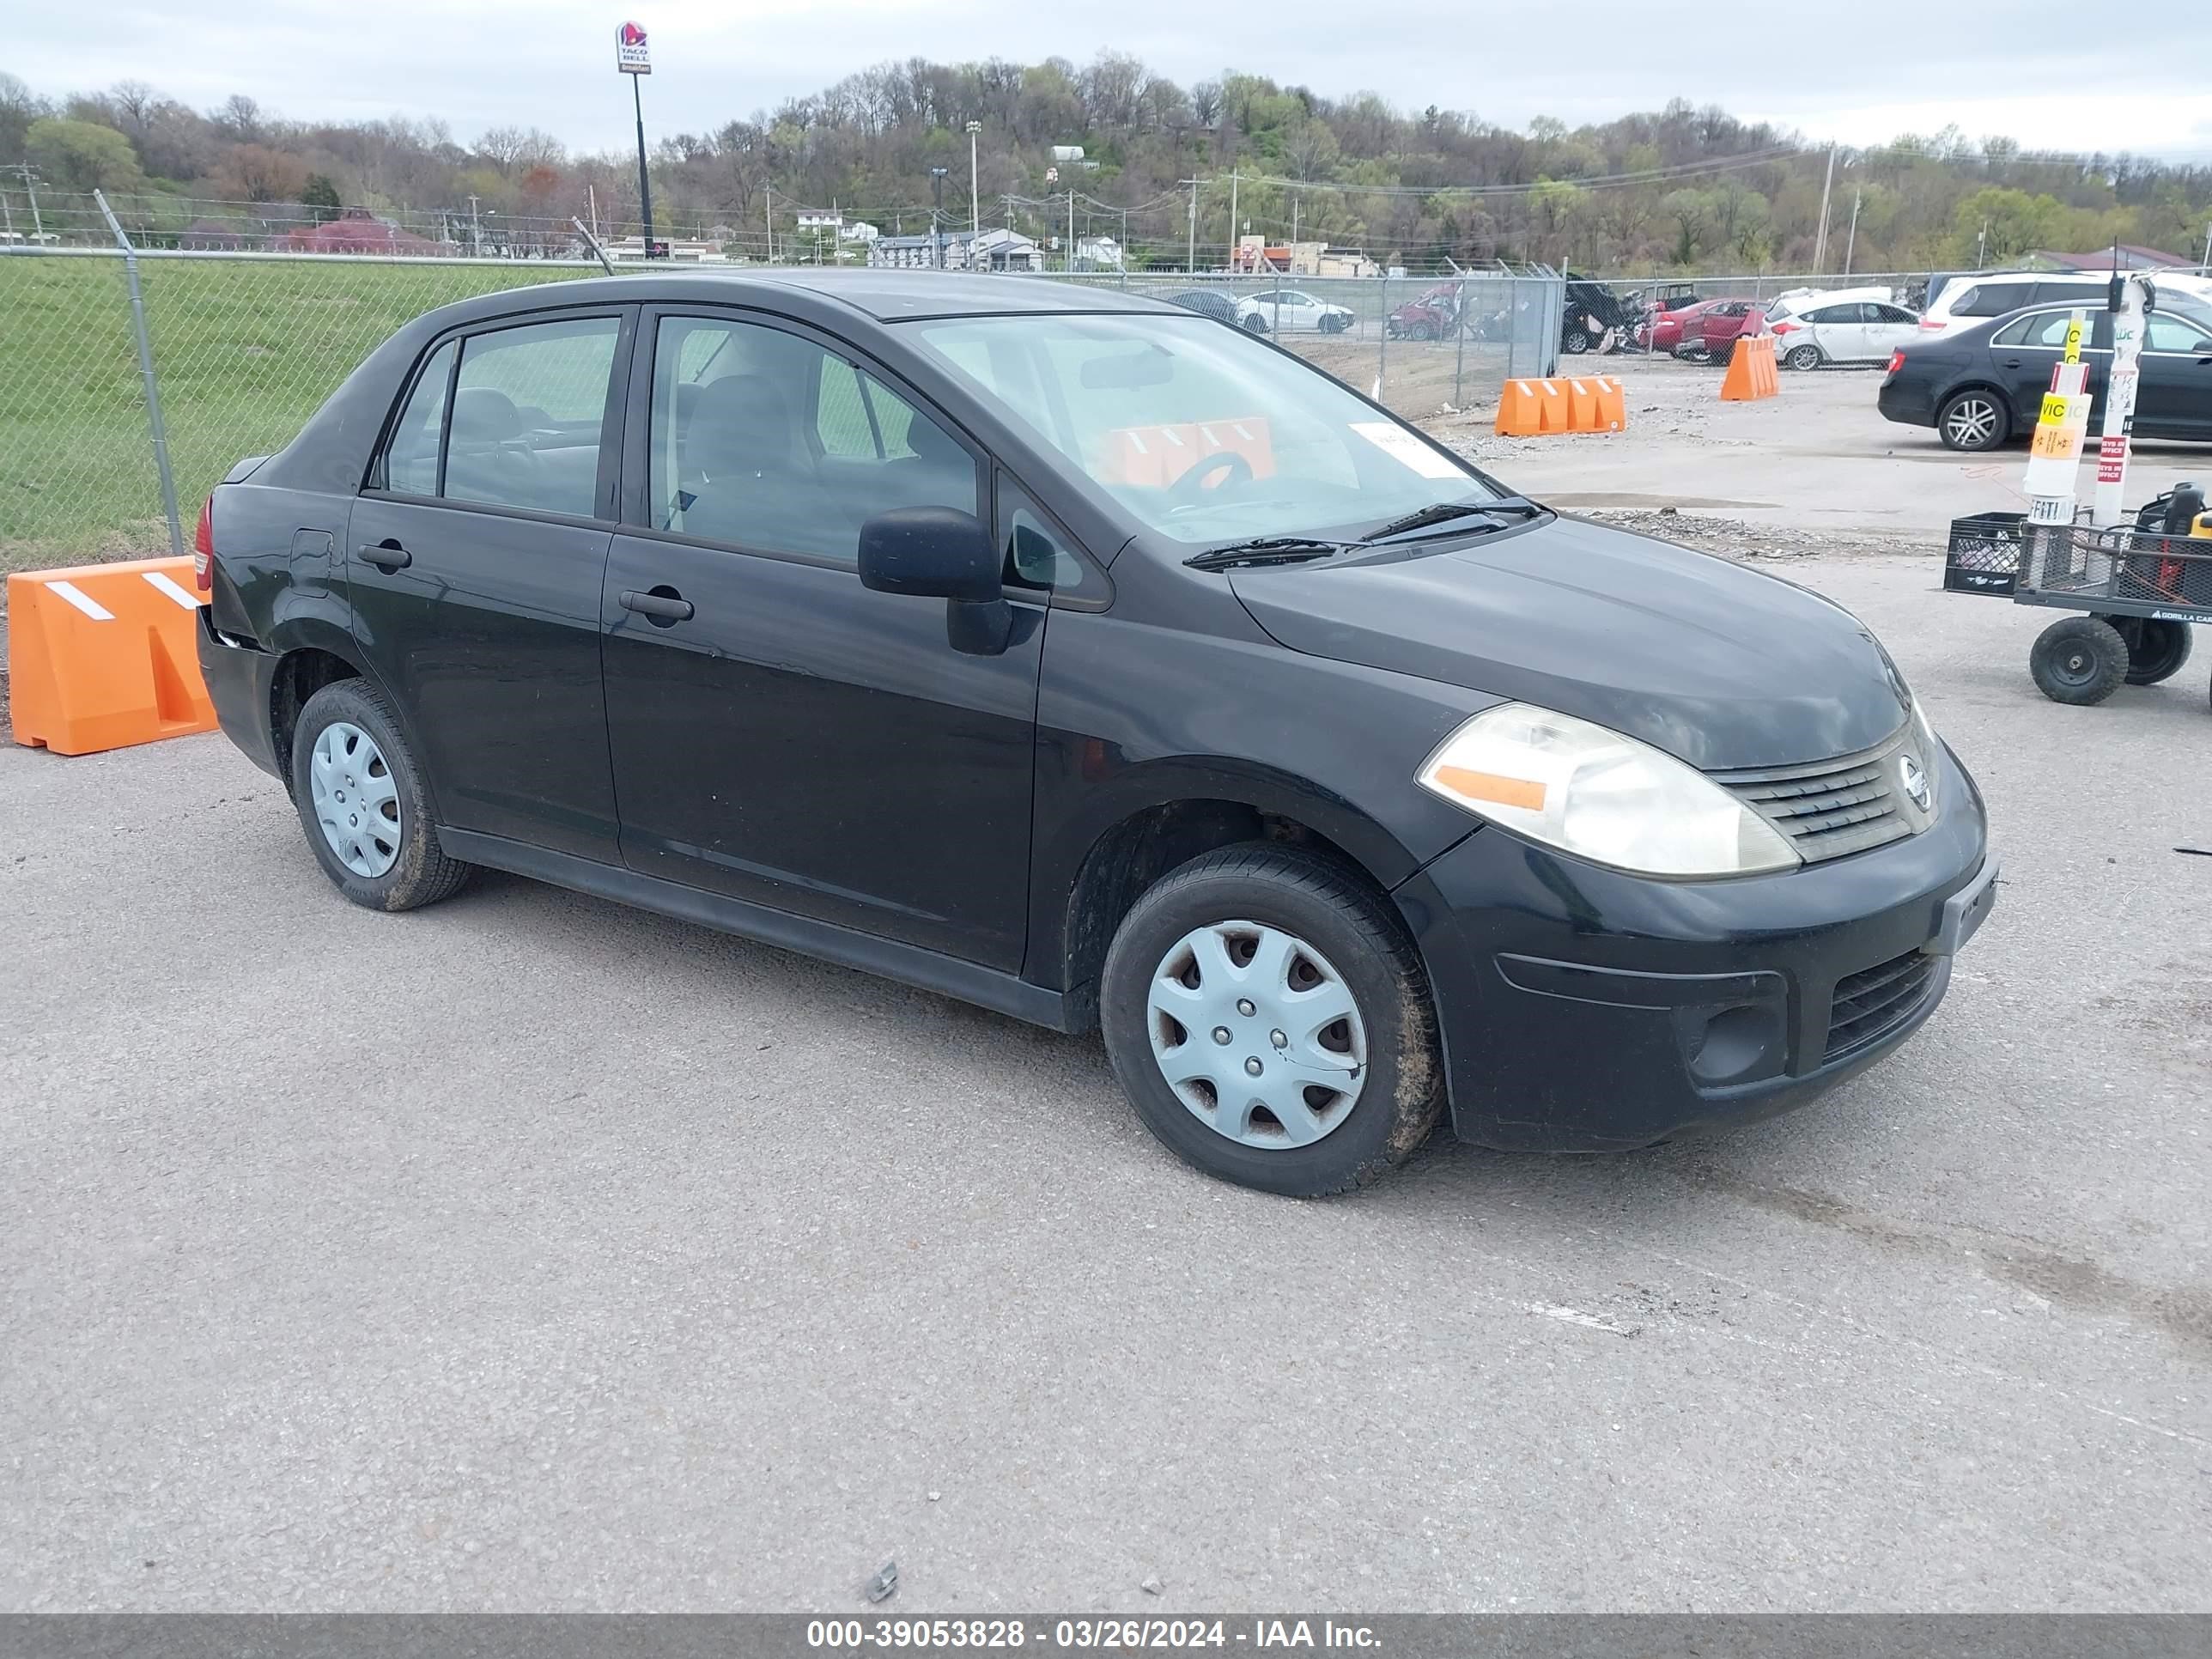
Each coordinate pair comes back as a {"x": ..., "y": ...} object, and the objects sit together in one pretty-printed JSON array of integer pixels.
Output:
[
  {"x": 1821, "y": 243},
  {"x": 1851, "y": 242},
  {"x": 1191, "y": 265},
  {"x": 1982, "y": 247},
  {"x": 975, "y": 201},
  {"x": 768, "y": 212},
  {"x": 2206, "y": 267},
  {"x": 475, "y": 228},
  {"x": 1236, "y": 244},
  {"x": 29, "y": 175},
  {"x": 1071, "y": 225},
  {"x": 937, "y": 217}
]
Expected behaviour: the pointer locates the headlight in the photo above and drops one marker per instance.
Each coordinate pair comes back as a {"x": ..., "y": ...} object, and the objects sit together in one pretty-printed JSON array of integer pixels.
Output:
[
  {"x": 1596, "y": 793},
  {"x": 1931, "y": 751}
]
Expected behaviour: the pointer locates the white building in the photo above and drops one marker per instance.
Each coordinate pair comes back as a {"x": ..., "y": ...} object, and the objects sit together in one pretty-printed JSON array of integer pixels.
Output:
[{"x": 996, "y": 249}]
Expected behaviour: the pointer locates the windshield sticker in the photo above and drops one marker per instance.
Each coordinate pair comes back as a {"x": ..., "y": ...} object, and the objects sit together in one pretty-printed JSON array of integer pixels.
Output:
[{"x": 1402, "y": 446}]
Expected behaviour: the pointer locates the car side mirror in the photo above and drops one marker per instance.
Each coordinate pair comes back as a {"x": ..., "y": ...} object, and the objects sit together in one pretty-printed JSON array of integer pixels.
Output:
[{"x": 940, "y": 552}]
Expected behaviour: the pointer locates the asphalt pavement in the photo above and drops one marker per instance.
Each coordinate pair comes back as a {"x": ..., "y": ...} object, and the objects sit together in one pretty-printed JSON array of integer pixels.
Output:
[{"x": 527, "y": 1252}]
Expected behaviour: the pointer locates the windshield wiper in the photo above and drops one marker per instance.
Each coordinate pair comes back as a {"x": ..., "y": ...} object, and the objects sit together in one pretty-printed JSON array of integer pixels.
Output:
[
  {"x": 1518, "y": 506},
  {"x": 1265, "y": 550}
]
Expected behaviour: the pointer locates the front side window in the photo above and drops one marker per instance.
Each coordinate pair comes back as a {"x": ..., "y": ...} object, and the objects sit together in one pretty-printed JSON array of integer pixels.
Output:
[
  {"x": 2165, "y": 333},
  {"x": 1203, "y": 432},
  {"x": 764, "y": 440}
]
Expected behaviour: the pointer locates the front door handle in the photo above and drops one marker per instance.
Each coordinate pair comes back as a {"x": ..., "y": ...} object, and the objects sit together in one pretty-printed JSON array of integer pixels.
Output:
[
  {"x": 662, "y": 606},
  {"x": 388, "y": 554}
]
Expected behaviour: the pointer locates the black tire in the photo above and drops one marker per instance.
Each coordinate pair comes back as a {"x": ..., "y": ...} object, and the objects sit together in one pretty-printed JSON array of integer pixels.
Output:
[
  {"x": 1321, "y": 903},
  {"x": 1575, "y": 340},
  {"x": 1974, "y": 420},
  {"x": 1803, "y": 358},
  {"x": 1424, "y": 330},
  {"x": 1256, "y": 323},
  {"x": 2080, "y": 660},
  {"x": 422, "y": 874},
  {"x": 2157, "y": 647}
]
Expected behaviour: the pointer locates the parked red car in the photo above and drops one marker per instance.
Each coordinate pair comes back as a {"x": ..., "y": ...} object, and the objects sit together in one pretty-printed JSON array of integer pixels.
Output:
[
  {"x": 1664, "y": 331},
  {"x": 1710, "y": 335}
]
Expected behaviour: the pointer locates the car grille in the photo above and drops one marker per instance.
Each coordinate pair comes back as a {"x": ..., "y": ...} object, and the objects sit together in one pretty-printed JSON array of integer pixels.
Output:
[
  {"x": 1869, "y": 1005},
  {"x": 1831, "y": 808}
]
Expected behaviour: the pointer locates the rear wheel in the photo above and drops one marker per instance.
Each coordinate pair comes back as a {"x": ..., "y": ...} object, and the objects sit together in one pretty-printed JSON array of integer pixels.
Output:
[
  {"x": 2157, "y": 648},
  {"x": 2081, "y": 659},
  {"x": 361, "y": 800},
  {"x": 1803, "y": 356},
  {"x": 1270, "y": 1022},
  {"x": 1973, "y": 421},
  {"x": 1255, "y": 323}
]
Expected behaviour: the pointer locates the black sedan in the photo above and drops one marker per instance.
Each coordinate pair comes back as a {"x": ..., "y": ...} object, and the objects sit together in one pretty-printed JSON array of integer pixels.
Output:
[
  {"x": 1984, "y": 385},
  {"x": 1071, "y": 654}
]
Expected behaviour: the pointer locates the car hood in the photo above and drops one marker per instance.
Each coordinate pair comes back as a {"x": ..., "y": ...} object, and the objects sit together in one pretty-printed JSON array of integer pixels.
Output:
[{"x": 1719, "y": 665}]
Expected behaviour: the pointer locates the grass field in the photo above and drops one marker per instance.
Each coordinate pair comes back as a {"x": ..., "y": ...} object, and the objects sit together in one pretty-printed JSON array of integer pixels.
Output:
[{"x": 245, "y": 351}]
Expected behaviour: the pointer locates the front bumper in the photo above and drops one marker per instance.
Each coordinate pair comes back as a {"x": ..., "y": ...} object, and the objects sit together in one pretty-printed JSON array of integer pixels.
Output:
[
  {"x": 1586, "y": 1010},
  {"x": 240, "y": 677}
]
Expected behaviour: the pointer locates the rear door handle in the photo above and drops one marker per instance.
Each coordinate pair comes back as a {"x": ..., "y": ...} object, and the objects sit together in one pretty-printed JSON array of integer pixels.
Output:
[
  {"x": 2012, "y": 362},
  {"x": 388, "y": 554},
  {"x": 662, "y": 604}
]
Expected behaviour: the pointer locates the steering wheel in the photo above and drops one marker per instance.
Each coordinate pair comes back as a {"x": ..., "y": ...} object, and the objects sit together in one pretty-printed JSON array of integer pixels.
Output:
[{"x": 1231, "y": 467}]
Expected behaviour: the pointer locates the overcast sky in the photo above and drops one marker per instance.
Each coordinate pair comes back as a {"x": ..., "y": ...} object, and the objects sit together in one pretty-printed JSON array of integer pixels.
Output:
[{"x": 2032, "y": 70}]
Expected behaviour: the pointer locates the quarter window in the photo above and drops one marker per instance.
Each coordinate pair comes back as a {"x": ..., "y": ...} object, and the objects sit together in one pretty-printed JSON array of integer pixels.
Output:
[{"x": 764, "y": 440}]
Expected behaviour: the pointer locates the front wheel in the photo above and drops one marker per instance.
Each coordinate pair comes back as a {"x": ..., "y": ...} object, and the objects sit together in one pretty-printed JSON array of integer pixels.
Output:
[
  {"x": 361, "y": 800},
  {"x": 1269, "y": 1019},
  {"x": 2080, "y": 660},
  {"x": 1575, "y": 340},
  {"x": 1973, "y": 421}
]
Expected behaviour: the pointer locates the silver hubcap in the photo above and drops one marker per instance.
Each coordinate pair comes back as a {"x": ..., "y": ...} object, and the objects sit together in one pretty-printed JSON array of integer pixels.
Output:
[
  {"x": 1257, "y": 1034},
  {"x": 1973, "y": 421},
  {"x": 356, "y": 800}
]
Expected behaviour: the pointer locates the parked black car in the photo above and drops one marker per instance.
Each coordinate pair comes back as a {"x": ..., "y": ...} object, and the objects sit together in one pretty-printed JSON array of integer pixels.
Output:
[
  {"x": 1592, "y": 311},
  {"x": 1207, "y": 302},
  {"x": 1984, "y": 385},
  {"x": 1062, "y": 651}
]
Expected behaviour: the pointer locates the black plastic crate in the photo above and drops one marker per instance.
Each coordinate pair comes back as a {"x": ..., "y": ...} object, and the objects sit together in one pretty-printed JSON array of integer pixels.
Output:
[{"x": 1983, "y": 555}]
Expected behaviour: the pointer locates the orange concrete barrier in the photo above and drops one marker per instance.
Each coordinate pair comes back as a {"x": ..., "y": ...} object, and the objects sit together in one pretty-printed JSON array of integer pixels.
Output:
[
  {"x": 1580, "y": 403},
  {"x": 1751, "y": 370},
  {"x": 102, "y": 656}
]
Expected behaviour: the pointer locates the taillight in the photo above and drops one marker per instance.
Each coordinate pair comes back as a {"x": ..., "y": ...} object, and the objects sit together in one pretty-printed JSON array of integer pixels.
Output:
[
  {"x": 1896, "y": 359},
  {"x": 1931, "y": 322},
  {"x": 1787, "y": 327},
  {"x": 204, "y": 548}
]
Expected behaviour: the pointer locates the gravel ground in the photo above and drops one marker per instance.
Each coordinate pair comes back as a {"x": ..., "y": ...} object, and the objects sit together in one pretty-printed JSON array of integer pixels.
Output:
[{"x": 532, "y": 1253}]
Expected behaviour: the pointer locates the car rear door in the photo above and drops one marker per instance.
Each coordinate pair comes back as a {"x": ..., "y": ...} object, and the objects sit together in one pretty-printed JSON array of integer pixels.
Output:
[
  {"x": 1888, "y": 327},
  {"x": 781, "y": 734},
  {"x": 476, "y": 558}
]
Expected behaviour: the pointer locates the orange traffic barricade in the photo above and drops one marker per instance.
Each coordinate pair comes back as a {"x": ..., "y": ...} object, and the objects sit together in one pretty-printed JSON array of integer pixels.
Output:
[
  {"x": 102, "y": 656},
  {"x": 1751, "y": 370},
  {"x": 1580, "y": 403}
]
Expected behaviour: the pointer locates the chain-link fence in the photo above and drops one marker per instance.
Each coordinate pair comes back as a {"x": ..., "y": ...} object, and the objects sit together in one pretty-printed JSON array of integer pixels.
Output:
[{"x": 244, "y": 346}]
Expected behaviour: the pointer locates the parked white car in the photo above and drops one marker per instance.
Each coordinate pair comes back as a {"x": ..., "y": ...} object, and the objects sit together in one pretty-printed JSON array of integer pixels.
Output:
[
  {"x": 1842, "y": 325},
  {"x": 1967, "y": 300},
  {"x": 1291, "y": 313}
]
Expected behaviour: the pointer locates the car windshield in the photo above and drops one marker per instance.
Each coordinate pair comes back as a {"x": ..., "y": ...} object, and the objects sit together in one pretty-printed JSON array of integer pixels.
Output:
[{"x": 1205, "y": 433}]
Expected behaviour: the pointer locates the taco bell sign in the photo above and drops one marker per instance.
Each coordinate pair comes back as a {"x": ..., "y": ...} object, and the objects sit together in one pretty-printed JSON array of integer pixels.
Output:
[{"x": 630, "y": 55}]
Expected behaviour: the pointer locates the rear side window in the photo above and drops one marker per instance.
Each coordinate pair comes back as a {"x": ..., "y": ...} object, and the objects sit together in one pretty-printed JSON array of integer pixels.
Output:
[
  {"x": 528, "y": 417},
  {"x": 410, "y": 464},
  {"x": 1992, "y": 299},
  {"x": 1849, "y": 313},
  {"x": 510, "y": 418}
]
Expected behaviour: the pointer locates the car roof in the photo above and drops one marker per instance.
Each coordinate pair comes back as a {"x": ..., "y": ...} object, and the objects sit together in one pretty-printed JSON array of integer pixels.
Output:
[{"x": 886, "y": 294}]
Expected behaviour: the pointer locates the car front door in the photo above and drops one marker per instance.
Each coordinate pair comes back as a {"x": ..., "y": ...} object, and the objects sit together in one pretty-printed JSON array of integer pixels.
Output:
[
  {"x": 475, "y": 561},
  {"x": 1888, "y": 327},
  {"x": 2173, "y": 397},
  {"x": 781, "y": 733}
]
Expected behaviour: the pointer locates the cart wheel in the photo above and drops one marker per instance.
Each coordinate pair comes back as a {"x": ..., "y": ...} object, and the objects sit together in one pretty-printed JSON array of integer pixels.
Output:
[
  {"x": 2081, "y": 660},
  {"x": 2157, "y": 647}
]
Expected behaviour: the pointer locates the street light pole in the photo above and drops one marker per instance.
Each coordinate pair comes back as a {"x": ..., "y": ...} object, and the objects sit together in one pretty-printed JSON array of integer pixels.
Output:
[
  {"x": 644, "y": 177},
  {"x": 975, "y": 201},
  {"x": 937, "y": 217}
]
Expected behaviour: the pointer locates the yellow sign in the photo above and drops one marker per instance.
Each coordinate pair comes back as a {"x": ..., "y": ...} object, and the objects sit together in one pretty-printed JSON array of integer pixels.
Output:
[
  {"x": 2054, "y": 410},
  {"x": 2073, "y": 339}
]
